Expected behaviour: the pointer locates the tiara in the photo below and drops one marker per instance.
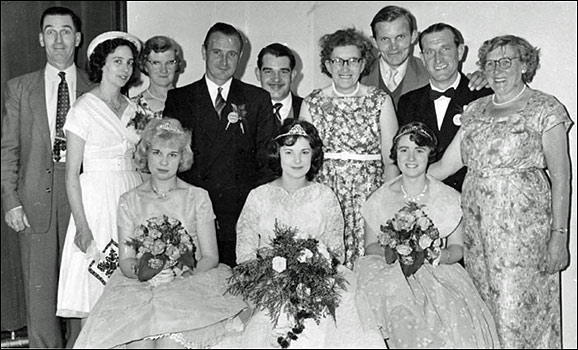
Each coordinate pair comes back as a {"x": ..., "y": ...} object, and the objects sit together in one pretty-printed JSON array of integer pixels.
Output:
[
  {"x": 296, "y": 130},
  {"x": 172, "y": 128}
]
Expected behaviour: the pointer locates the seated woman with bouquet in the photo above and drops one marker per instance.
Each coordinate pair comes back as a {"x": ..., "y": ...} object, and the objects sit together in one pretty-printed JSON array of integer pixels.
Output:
[
  {"x": 420, "y": 296},
  {"x": 170, "y": 288},
  {"x": 290, "y": 250}
]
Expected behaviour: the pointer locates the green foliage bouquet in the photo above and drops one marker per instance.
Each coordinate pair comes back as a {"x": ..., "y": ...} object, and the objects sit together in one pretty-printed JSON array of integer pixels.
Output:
[
  {"x": 162, "y": 243},
  {"x": 411, "y": 237},
  {"x": 298, "y": 276}
]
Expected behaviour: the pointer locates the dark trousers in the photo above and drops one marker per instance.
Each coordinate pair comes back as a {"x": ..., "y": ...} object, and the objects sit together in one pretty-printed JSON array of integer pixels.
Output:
[
  {"x": 227, "y": 204},
  {"x": 40, "y": 257}
]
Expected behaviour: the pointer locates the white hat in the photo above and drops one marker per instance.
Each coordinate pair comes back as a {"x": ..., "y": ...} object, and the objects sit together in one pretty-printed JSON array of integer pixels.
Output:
[{"x": 112, "y": 35}]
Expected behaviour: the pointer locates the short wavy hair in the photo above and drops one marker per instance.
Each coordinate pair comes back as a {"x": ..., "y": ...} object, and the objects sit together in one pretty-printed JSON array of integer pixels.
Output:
[
  {"x": 225, "y": 29},
  {"x": 421, "y": 134},
  {"x": 346, "y": 37},
  {"x": 274, "y": 157},
  {"x": 529, "y": 54},
  {"x": 160, "y": 44},
  {"x": 277, "y": 50},
  {"x": 167, "y": 130},
  {"x": 391, "y": 13},
  {"x": 101, "y": 52}
]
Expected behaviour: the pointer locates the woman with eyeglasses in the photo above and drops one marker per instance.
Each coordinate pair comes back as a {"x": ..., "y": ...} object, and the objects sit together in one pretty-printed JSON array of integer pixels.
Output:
[
  {"x": 357, "y": 124},
  {"x": 161, "y": 61},
  {"x": 515, "y": 196}
]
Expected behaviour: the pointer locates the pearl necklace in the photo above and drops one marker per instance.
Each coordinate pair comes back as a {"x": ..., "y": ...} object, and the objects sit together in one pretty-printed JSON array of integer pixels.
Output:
[
  {"x": 339, "y": 94},
  {"x": 162, "y": 195},
  {"x": 413, "y": 198},
  {"x": 504, "y": 103},
  {"x": 155, "y": 97}
]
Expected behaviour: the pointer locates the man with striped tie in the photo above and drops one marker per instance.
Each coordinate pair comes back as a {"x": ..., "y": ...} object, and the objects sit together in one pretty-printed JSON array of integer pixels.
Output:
[{"x": 232, "y": 123}]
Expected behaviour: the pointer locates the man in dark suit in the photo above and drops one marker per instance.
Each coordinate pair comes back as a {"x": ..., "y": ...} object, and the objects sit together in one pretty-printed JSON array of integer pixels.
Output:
[
  {"x": 440, "y": 103},
  {"x": 232, "y": 122},
  {"x": 33, "y": 189},
  {"x": 276, "y": 71},
  {"x": 396, "y": 71}
]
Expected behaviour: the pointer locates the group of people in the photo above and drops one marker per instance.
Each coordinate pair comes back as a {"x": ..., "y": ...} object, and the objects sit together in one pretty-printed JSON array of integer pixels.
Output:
[{"x": 83, "y": 166}]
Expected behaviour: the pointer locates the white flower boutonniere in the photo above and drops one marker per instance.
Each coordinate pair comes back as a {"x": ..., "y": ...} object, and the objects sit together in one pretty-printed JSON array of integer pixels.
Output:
[
  {"x": 237, "y": 115},
  {"x": 457, "y": 119}
]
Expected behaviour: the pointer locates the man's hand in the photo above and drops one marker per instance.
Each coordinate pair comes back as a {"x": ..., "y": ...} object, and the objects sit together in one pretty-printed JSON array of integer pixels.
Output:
[
  {"x": 16, "y": 219},
  {"x": 477, "y": 81}
]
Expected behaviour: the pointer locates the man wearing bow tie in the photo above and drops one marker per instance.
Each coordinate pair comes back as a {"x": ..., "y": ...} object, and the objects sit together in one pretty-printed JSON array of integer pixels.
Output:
[
  {"x": 276, "y": 71},
  {"x": 440, "y": 103}
]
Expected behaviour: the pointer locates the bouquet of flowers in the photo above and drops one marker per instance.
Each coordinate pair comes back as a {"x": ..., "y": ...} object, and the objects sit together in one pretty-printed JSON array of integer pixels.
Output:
[
  {"x": 142, "y": 115},
  {"x": 296, "y": 275},
  {"x": 162, "y": 243},
  {"x": 411, "y": 237}
]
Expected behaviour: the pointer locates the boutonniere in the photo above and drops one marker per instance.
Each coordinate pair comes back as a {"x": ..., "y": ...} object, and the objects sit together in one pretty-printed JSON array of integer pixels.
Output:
[
  {"x": 237, "y": 115},
  {"x": 457, "y": 120}
]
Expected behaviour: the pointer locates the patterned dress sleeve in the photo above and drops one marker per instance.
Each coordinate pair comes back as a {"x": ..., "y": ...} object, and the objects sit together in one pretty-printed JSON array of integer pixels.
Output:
[
  {"x": 247, "y": 229},
  {"x": 553, "y": 113},
  {"x": 334, "y": 227}
]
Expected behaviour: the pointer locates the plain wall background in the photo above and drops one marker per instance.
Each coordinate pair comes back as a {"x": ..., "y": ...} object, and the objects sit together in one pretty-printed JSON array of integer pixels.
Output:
[{"x": 549, "y": 25}]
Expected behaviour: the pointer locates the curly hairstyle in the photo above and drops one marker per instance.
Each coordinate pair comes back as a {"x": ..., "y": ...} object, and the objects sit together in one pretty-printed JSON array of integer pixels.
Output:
[
  {"x": 274, "y": 157},
  {"x": 101, "y": 52},
  {"x": 167, "y": 130},
  {"x": 530, "y": 55},
  {"x": 159, "y": 44},
  {"x": 419, "y": 133},
  {"x": 346, "y": 37}
]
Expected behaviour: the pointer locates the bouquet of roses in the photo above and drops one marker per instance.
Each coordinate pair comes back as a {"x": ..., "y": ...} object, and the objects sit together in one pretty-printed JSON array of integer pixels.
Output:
[
  {"x": 296, "y": 275},
  {"x": 142, "y": 116},
  {"x": 410, "y": 237},
  {"x": 162, "y": 243}
]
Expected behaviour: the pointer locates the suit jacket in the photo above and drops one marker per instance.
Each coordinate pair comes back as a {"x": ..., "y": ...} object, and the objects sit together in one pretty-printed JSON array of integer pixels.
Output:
[
  {"x": 232, "y": 159},
  {"x": 416, "y": 76},
  {"x": 27, "y": 165},
  {"x": 295, "y": 106},
  {"x": 417, "y": 106}
]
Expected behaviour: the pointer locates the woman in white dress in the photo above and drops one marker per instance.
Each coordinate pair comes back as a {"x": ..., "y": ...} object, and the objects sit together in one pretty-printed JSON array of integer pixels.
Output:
[
  {"x": 100, "y": 144},
  {"x": 294, "y": 200}
]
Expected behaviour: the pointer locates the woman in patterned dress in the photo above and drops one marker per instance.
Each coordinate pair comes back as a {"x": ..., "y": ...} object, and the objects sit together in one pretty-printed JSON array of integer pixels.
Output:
[
  {"x": 356, "y": 124},
  {"x": 515, "y": 212},
  {"x": 161, "y": 61}
]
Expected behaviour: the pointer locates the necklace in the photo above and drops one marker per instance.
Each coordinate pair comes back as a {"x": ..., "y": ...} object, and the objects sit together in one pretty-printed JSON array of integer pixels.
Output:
[
  {"x": 413, "y": 198},
  {"x": 339, "y": 94},
  {"x": 162, "y": 195},
  {"x": 115, "y": 109},
  {"x": 504, "y": 103},
  {"x": 155, "y": 97}
]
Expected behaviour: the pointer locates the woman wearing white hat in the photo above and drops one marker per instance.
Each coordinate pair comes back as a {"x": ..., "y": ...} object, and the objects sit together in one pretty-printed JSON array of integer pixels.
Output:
[{"x": 101, "y": 142}]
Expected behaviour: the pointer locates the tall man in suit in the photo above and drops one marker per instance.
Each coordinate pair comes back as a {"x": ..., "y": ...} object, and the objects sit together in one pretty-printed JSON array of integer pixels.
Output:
[
  {"x": 396, "y": 71},
  {"x": 440, "y": 103},
  {"x": 276, "y": 71},
  {"x": 33, "y": 168},
  {"x": 232, "y": 122}
]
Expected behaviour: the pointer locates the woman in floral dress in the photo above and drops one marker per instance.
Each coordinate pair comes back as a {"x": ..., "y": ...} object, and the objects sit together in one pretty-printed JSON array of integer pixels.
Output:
[
  {"x": 515, "y": 213},
  {"x": 160, "y": 60},
  {"x": 356, "y": 124}
]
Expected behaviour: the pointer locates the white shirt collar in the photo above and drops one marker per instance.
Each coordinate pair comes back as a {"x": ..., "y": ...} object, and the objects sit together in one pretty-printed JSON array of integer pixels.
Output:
[
  {"x": 213, "y": 88},
  {"x": 287, "y": 104},
  {"x": 51, "y": 73},
  {"x": 401, "y": 69},
  {"x": 454, "y": 85}
]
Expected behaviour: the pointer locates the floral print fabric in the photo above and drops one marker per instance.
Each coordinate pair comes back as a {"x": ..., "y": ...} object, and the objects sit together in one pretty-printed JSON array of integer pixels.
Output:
[
  {"x": 506, "y": 202},
  {"x": 350, "y": 124}
]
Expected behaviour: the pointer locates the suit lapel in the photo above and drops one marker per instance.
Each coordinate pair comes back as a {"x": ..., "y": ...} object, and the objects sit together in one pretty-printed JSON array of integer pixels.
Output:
[
  {"x": 209, "y": 120},
  {"x": 38, "y": 107}
]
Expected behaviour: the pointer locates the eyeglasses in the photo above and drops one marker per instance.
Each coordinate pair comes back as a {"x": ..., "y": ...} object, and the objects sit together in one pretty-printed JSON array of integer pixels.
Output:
[
  {"x": 503, "y": 63},
  {"x": 169, "y": 64},
  {"x": 352, "y": 62}
]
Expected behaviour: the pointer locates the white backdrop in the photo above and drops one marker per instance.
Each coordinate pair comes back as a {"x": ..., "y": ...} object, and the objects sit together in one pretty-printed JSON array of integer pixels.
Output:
[{"x": 548, "y": 25}]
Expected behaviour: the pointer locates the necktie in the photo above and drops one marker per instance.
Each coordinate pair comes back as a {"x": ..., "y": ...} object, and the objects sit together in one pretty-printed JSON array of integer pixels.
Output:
[
  {"x": 219, "y": 102},
  {"x": 276, "y": 109},
  {"x": 62, "y": 107},
  {"x": 391, "y": 81},
  {"x": 434, "y": 95}
]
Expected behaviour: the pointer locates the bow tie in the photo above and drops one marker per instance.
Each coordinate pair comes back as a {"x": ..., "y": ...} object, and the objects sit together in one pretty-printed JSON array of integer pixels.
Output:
[{"x": 434, "y": 95}]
